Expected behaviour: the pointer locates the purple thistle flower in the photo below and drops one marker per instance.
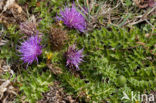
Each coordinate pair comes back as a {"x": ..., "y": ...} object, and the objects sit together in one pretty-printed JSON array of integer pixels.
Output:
[
  {"x": 30, "y": 49},
  {"x": 151, "y": 3},
  {"x": 74, "y": 57},
  {"x": 72, "y": 18}
]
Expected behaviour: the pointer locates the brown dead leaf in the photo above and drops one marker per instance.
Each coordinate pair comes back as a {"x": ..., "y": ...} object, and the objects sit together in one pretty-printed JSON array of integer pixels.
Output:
[
  {"x": 8, "y": 4},
  {"x": 18, "y": 13},
  {"x": 7, "y": 92},
  {"x": 141, "y": 43},
  {"x": 3, "y": 88},
  {"x": 3, "y": 42},
  {"x": 1, "y": 4},
  {"x": 154, "y": 34},
  {"x": 147, "y": 35},
  {"x": 38, "y": 4},
  {"x": 19, "y": 8},
  {"x": 12, "y": 13}
]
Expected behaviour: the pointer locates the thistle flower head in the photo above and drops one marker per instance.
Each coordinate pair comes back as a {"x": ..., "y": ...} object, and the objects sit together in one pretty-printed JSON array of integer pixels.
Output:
[
  {"x": 30, "y": 49},
  {"x": 58, "y": 36},
  {"x": 72, "y": 18},
  {"x": 151, "y": 3},
  {"x": 28, "y": 28},
  {"x": 74, "y": 57}
]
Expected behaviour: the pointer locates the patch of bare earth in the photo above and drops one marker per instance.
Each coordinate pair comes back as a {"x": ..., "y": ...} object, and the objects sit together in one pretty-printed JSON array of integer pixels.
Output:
[{"x": 56, "y": 94}]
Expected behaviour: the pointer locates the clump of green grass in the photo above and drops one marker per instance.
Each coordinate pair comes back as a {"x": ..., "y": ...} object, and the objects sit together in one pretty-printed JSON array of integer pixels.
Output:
[
  {"x": 115, "y": 62},
  {"x": 32, "y": 83}
]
